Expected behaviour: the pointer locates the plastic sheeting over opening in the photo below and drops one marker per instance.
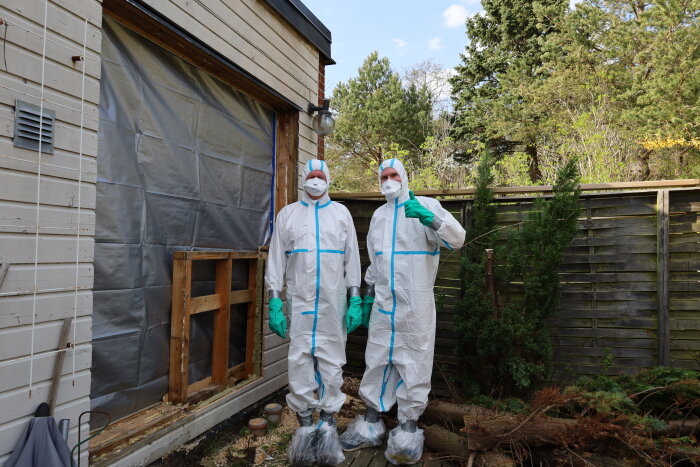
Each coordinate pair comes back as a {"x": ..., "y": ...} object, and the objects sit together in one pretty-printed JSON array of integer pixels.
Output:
[{"x": 185, "y": 162}]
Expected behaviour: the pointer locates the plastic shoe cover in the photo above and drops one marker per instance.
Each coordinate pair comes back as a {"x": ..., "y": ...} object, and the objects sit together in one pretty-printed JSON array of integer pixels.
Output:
[
  {"x": 302, "y": 449},
  {"x": 403, "y": 447},
  {"x": 328, "y": 450},
  {"x": 361, "y": 433}
]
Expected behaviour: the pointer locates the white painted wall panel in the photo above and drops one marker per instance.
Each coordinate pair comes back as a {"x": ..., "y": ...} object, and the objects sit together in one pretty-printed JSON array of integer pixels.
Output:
[{"x": 58, "y": 213}]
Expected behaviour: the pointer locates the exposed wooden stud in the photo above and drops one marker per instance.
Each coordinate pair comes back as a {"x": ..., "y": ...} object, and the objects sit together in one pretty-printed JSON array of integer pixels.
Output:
[
  {"x": 250, "y": 321},
  {"x": 242, "y": 296},
  {"x": 222, "y": 319},
  {"x": 662, "y": 268},
  {"x": 180, "y": 331},
  {"x": 220, "y": 302},
  {"x": 205, "y": 303}
]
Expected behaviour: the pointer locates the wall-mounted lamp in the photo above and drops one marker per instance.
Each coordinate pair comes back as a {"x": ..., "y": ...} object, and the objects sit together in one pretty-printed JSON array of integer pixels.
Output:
[{"x": 322, "y": 123}]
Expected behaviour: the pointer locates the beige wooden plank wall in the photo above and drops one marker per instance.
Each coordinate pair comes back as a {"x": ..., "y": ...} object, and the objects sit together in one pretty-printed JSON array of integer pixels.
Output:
[{"x": 58, "y": 213}]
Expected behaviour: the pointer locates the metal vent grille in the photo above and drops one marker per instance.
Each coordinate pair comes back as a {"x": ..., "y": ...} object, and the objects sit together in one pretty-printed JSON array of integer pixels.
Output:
[{"x": 29, "y": 125}]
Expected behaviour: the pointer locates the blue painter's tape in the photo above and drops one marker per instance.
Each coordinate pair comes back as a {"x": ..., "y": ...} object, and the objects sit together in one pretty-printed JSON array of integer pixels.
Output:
[
  {"x": 385, "y": 379},
  {"x": 300, "y": 250},
  {"x": 431, "y": 253}
]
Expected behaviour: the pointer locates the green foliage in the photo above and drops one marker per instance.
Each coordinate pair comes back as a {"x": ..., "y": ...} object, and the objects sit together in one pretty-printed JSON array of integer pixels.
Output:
[
  {"x": 376, "y": 116},
  {"x": 659, "y": 392},
  {"x": 511, "y": 404},
  {"x": 503, "y": 55},
  {"x": 505, "y": 346},
  {"x": 615, "y": 83},
  {"x": 379, "y": 115}
]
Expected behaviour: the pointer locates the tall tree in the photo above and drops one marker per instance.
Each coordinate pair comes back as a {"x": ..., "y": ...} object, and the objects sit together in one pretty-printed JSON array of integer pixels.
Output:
[
  {"x": 623, "y": 88},
  {"x": 377, "y": 113},
  {"x": 505, "y": 42}
]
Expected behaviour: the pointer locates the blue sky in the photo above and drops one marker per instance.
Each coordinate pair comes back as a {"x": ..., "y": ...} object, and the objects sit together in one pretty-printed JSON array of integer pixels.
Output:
[{"x": 406, "y": 31}]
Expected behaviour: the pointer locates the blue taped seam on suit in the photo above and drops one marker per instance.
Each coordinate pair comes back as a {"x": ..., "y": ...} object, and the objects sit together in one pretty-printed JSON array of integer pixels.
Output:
[
  {"x": 447, "y": 244},
  {"x": 318, "y": 290},
  {"x": 400, "y": 383},
  {"x": 298, "y": 250},
  {"x": 311, "y": 167},
  {"x": 340, "y": 252},
  {"x": 393, "y": 299},
  {"x": 409, "y": 252}
]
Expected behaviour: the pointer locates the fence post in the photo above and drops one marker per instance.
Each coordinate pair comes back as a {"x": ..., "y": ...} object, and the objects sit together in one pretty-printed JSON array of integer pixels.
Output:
[{"x": 662, "y": 268}]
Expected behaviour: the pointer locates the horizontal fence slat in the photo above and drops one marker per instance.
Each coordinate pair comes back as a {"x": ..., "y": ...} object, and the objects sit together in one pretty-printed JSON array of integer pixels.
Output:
[{"x": 608, "y": 277}]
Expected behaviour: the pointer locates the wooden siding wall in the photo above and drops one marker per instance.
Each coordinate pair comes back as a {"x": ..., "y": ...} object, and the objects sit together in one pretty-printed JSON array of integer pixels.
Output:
[
  {"x": 609, "y": 312},
  {"x": 245, "y": 31},
  {"x": 20, "y": 78}
]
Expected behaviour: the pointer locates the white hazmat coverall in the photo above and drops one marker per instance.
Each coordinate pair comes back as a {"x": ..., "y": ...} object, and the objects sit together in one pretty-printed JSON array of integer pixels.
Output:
[
  {"x": 404, "y": 256},
  {"x": 314, "y": 252}
]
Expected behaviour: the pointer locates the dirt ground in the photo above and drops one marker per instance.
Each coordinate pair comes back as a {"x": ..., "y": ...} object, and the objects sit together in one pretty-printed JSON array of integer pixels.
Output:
[{"x": 242, "y": 448}]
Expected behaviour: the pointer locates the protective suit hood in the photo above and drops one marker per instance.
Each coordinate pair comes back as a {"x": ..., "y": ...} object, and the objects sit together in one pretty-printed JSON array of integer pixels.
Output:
[
  {"x": 396, "y": 164},
  {"x": 315, "y": 164}
]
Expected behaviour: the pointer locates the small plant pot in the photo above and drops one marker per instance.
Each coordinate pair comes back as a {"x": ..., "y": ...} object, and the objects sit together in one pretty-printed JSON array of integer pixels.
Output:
[
  {"x": 257, "y": 426},
  {"x": 273, "y": 413}
]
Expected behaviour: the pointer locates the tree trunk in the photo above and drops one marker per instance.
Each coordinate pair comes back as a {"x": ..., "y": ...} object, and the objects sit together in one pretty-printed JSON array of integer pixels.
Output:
[
  {"x": 440, "y": 440},
  {"x": 533, "y": 163},
  {"x": 484, "y": 433},
  {"x": 452, "y": 415}
]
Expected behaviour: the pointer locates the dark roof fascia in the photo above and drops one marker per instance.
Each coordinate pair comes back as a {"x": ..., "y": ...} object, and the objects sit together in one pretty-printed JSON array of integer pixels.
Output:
[{"x": 301, "y": 19}]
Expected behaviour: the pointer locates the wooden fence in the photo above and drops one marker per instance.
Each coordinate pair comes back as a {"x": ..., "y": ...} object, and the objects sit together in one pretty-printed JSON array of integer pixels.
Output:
[{"x": 630, "y": 294}]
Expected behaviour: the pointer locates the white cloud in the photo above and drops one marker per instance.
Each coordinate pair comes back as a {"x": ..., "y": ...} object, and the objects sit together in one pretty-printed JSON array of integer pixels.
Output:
[
  {"x": 455, "y": 16},
  {"x": 400, "y": 43},
  {"x": 436, "y": 43},
  {"x": 572, "y": 3}
]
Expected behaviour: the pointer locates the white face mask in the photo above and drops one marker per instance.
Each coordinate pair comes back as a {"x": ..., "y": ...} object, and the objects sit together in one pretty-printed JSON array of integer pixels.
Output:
[
  {"x": 315, "y": 186},
  {"x": 391, "y": 189}
]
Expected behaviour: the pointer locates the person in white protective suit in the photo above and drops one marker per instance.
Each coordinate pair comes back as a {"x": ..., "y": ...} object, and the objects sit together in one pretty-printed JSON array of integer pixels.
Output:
[
  {"x": 314, "y": 252},
  {"x": 403, "y": 244}
]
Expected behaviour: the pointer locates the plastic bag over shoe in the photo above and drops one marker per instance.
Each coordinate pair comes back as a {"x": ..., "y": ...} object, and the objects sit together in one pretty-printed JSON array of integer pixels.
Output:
[
  {"x": 328, "y": 449},
  {"x": 302, "y": 449},
  {"x": 403, "y": 447},
  {"x": 360, "y": 432}
]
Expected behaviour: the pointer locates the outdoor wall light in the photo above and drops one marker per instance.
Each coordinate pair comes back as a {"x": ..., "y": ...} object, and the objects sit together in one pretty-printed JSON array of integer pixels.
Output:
[{"x": 322, "y": 123}]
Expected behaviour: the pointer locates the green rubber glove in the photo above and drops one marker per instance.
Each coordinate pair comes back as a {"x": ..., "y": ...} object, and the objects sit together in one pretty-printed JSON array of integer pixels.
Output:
[
  {"x": 353, "y": 317},
  {"x": 367, "y": 309},
  {"x": 278, "y": 322},
  {"x": 413, "y": 208}
]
